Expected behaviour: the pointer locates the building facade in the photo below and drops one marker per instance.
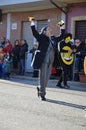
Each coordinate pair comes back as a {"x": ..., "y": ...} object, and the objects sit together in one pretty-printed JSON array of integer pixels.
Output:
[
  {"x": 76, "y": 20},
  {"x": 15, "y": 24}
]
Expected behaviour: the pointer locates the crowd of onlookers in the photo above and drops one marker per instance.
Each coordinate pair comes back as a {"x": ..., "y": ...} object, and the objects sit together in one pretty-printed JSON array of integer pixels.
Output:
[
  {"x": 12, "y": 58},
  {"x": 80, "y": 47},
  {"x": 76, "y": 68}
]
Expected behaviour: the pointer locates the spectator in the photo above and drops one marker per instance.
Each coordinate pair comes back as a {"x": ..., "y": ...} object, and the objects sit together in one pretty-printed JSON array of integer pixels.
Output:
[
  {"x": 79, "y": 58},
  {"x": 2, "y": 41},
  {"x": 33, "y": 50},
  {"x": 7, "y": 47},
  {"x": 1, "y": 61},
  {"x": 7, "y": 65},
  {"x": 84, "y": 46},
  {"x": 15, "y": 55},
  {"x": 23, "y": 50}
]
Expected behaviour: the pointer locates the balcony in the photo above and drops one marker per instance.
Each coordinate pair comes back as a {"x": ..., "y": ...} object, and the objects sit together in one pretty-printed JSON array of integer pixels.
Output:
[{"x": 31, "y": 5}]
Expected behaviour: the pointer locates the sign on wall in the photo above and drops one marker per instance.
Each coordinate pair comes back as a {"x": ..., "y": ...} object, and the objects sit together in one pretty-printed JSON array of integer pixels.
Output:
[{"x": 14, "y": 26}]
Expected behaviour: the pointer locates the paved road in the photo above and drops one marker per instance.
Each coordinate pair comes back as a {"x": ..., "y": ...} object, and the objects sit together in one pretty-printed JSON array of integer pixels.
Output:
[{"x": 20, "y": 108}]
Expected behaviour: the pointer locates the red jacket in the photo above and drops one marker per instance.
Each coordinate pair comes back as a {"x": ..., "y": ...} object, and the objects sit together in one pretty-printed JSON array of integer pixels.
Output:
[{"x": 7, "y": 48}]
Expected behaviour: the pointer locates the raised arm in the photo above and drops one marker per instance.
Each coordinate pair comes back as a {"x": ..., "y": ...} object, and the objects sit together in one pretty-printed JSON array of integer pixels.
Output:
[
  {"x": 61, "y": 24},
  {"x": 34, "y": 31}
]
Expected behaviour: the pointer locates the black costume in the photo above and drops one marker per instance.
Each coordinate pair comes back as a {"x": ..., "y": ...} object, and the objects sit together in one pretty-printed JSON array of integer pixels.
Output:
[{"x": 66, "y": 59}]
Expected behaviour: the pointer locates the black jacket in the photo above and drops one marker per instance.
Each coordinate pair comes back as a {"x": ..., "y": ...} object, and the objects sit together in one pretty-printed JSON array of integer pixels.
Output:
[
  {"x": 80, "y": 49},
  {"x": 15, "y": 52},
  {"x": 43, "y": 46},
  {"x": 23, "y": 50}
]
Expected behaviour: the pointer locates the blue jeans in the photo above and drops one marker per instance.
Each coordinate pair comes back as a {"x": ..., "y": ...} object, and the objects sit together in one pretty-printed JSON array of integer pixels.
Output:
[
  {"x": 78, "y": 64},
  {"x": 78, "y": 67},
  {"x": 2, "y": 73},
  {"x": 1, "y": 70},
  {"x": 22, "y": 67}
]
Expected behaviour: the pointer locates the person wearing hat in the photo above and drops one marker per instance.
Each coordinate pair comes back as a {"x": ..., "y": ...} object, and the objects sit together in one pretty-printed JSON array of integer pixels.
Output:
[
  {"x": 45, "y": 54},
  {"x": 66, "y": 58}
]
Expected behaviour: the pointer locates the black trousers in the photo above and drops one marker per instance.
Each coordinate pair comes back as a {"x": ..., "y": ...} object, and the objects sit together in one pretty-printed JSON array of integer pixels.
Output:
[{"x": 63, "y": 75}]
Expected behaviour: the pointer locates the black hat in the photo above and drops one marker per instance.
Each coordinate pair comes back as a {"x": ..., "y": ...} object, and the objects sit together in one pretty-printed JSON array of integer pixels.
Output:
[{"x": 67, "y": 35}]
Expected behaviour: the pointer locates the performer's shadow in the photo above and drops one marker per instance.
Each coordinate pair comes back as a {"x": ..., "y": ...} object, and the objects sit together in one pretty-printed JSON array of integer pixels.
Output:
[{"x": 66, "y": 104}]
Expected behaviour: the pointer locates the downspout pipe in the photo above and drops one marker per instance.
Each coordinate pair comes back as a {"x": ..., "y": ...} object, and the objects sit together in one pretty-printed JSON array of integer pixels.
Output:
[
  {"x": 52, "y": 2},
  {"x": 65, "y": 12}
]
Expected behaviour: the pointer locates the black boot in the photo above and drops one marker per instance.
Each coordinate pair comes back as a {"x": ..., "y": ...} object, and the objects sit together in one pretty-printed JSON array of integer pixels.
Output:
[
  {"x": 38, "y": 91},
  {"x": 43, "y": 98},
  {"x": 59, "y": 85},
  {"x": 66, "y": 86},
  {"x": 40, "y": 95}
]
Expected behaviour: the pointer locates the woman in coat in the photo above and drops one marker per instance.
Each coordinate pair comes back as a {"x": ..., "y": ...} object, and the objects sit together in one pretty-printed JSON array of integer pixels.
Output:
[{"x": 15, "y": 55}]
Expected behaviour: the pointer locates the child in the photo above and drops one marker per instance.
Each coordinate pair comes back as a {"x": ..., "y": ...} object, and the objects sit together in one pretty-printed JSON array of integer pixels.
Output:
[
  {"x": 33, "y": 50},
  {"x": 7, "y": 65},
  {"x": 1, "y": 61}
]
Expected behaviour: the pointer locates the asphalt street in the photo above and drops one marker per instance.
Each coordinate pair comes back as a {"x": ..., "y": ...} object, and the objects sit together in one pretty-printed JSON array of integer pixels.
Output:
[{"x": 21, "y": 109}]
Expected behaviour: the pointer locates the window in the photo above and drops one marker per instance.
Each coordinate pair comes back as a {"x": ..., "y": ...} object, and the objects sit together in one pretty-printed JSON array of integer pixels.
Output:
[
  {"x": 40, "y": 24},
  {"x": 80, "y": 29}
]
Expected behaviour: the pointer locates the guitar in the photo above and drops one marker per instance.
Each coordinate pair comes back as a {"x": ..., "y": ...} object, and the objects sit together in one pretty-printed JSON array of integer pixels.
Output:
[{"x": 66, "y": 57}]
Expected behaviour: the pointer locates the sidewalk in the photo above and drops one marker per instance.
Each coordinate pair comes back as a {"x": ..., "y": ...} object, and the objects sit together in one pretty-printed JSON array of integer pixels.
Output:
[{"x": 28, "y": 79}]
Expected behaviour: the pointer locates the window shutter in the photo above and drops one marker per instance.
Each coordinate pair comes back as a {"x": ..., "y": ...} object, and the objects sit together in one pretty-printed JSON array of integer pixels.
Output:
[
  {"x": 40, "y": 24},
  {"x": 80, "y": 29},
  {"x": 27, "y": 34}
]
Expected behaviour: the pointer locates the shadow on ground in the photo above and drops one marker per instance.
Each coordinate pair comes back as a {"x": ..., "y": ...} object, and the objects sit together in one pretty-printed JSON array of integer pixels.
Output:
[{"x": 66, "y": 104}]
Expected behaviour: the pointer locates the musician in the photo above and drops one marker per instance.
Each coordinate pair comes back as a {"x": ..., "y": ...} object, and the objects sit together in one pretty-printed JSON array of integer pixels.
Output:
[
  {"x": 45, "y": 56},
  {"x": 66, "y": 58}
]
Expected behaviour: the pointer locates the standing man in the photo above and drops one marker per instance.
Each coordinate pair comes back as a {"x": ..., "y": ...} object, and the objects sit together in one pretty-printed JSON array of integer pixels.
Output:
[{"x": 45, "y": 55}]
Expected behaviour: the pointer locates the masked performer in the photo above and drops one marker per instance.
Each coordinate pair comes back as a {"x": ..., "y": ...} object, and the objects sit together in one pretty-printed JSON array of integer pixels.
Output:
[
  {"x": 44, "y": 55},
  {"x": 66, "y": 58}
]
